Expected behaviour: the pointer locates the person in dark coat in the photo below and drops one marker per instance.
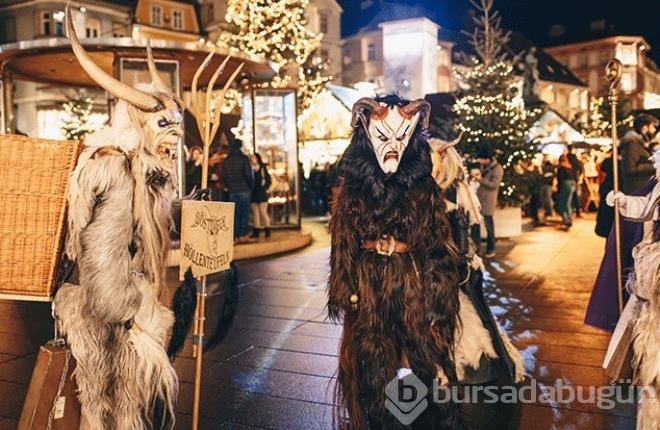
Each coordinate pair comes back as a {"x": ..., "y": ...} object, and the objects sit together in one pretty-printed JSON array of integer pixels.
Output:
[
  {"x": 239, "y": 180},
  {"x": 489, "y": 186},
  {"x": 259, "y": 205},
  {"x": 636, "y": 168},
  {"x": 194, "y": 169}
]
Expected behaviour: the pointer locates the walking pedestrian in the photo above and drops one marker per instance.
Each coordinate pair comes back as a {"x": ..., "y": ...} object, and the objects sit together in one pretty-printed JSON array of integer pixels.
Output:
[
  {"x": 548, "y": 171},
  {"x": 567, "y": 180},
  {"x": 578, "y": 167},
  {"x": 259, "y": 205}
]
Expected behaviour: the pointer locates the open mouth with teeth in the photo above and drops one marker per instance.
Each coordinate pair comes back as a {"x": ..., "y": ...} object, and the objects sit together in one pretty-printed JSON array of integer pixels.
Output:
[
  {"x": 166, "y": 151},
  {"x": 390, "y": 155}
]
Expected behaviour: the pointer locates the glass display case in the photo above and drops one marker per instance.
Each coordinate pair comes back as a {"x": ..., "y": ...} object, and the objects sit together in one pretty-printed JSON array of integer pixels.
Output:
[{"x": 269, "y": 120}]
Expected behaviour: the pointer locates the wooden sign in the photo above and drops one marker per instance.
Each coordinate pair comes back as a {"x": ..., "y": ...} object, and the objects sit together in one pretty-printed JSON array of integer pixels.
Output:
[{"x": 207, "y": 237}]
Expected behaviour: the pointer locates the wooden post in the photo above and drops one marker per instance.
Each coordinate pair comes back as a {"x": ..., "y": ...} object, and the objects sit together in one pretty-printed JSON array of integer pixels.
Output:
[{"x": 613, "y": 74}]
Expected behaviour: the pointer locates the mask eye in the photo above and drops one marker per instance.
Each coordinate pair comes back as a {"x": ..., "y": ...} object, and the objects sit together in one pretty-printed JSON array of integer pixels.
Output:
[
  {"x": 163, "y": 123},
  {"x": 403, "y": 135}
]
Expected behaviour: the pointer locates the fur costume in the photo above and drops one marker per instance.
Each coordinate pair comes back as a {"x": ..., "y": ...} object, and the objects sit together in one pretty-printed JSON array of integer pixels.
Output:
[
  {"x": 482, "y": 347},
  {"x": 119, "y": 234},
  {"x": 644, "y": 287},
  {"x": 393, "y": 280}
]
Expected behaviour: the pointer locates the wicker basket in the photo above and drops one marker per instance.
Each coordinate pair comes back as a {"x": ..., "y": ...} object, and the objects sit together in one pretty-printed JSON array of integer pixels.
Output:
[{"x": 34, "y": 175}]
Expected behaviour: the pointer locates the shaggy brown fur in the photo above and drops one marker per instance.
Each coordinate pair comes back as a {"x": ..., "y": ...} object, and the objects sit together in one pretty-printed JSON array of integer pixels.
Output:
[{"x": 408, "y": 302}]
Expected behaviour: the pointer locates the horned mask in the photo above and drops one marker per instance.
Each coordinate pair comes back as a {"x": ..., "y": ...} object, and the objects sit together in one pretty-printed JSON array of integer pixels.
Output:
[
  {"x": 389, "y": 128},
  {"x": 158, "y": 112}
]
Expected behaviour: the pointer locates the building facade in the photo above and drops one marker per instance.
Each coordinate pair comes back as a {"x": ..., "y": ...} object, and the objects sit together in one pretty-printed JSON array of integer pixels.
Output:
[
  {"x": 406, "y": 52},
  {"x": 640, "y": 79},
  {"x": 37, "y": 107}
]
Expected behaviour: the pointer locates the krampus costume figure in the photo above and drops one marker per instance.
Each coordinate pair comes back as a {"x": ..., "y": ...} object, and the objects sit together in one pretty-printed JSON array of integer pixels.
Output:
[
  {"x": 483, "y": 351},
  {"x": 118, "y": 234},
  {"x": 644, "y": 288},
  {"x": 394, "y": 278}
]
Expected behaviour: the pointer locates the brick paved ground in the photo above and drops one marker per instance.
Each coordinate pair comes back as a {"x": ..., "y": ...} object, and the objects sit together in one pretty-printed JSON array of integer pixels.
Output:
[{"x": 275, "y": 368}]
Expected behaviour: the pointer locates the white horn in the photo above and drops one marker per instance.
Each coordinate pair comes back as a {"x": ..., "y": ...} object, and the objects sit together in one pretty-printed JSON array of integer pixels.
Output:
[
  {"x": 155, "y": 77},
  {"x": 114, "y": 86}
]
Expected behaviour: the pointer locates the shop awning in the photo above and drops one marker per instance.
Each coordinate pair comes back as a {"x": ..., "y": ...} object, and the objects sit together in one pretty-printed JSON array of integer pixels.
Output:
[
  {"x": 553, "y": 128},
  {"x": 52, "y": 60},
  {"x": 330, "y": 116}
]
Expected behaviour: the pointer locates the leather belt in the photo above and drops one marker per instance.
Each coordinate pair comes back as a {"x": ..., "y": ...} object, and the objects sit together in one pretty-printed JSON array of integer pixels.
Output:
[{"x": 386, "y": 245}]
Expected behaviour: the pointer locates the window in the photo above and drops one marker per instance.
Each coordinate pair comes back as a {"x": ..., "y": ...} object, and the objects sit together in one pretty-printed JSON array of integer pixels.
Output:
[
  {"x": 119, "y": 29},
  {"x": 576, "y": 60},
  {"x": 156, "y": 16},
  {"x": 92, "y": 27},
  {"x": 323, "y": 23},
  {"x": 627, "y": 54},
  {"x": 177, "y": 20},
  {"x": 371, "y": 52},
  {"x": 594, "y": 81},
  {"x": 59, "y": 28},
  {"x": 46, "y": 24},
  {"x": 628, "y": 82},
  {"x": 8, "y": 30},
  {"x": 348, "y": 56},
  {"x": 207, "y": 13}
]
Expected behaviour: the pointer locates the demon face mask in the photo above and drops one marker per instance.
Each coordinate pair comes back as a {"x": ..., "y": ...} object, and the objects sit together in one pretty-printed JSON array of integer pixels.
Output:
[{"x": 389, "y": 127}]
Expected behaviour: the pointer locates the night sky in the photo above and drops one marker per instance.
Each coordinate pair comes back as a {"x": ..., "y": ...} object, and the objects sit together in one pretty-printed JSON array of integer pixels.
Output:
[{"x": 534, "y": 18}]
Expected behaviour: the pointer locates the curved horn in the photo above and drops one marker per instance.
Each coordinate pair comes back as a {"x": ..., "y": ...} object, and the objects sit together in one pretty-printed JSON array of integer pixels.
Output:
[
  {"x": 114, "y": 86},
  {"x": 155, "y": 76},
  {"x": 419, "y": 105},
  {"x": 364, "y": 103}
]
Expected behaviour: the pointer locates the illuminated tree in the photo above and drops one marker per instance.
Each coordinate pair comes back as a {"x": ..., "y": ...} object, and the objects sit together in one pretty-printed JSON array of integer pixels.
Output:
[
  {"x": 76, "y": 124},
  {"x": 312, "y": 77},
  {"x": 490, "y": 110},
  {"x": 275, "y": 29},
  {"x": 272, "y": 28}
]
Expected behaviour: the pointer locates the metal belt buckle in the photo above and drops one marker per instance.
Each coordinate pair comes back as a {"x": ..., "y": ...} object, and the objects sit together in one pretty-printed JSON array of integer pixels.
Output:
[{"x": 391, "y": 245}]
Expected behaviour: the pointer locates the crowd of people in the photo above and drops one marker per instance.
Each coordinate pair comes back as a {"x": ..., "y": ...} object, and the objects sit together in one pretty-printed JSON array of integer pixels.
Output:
[{"x": 238, "y": 178}]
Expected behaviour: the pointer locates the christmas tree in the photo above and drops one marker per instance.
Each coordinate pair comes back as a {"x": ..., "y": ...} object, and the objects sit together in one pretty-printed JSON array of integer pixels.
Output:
[
  {"x": 312, "y": 77},
  {"x": 275, "y": 29},
  {"x": 490, "y": 109},
  {"x": 76, "y": 124}
]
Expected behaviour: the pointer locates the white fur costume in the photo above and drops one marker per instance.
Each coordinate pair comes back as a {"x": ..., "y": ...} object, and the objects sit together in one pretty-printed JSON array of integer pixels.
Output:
[
  {"x": 119, "y": 220},
  {"x": 119, "y": 235},
  {"x": 644, "y": 286}
]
